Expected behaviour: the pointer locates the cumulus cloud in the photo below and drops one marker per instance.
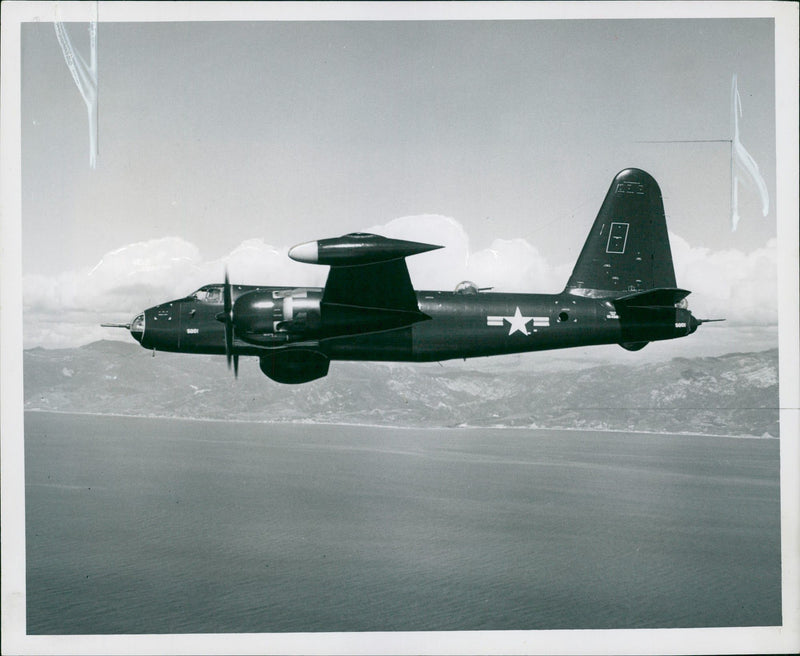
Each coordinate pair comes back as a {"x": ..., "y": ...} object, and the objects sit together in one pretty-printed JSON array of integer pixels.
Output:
[
  {"x": 514, "y": 265},
  {"x": 66, "y": 309},
  {"x": 508, "y": 265},
  {"x": 740, "y": 287},
  {"x": 122, "y": 277},
  {"x": 441, "y": 269}
]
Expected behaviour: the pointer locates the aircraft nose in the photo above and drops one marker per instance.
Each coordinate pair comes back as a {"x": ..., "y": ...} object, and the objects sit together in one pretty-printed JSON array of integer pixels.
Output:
[{"x": 137, "y": 327}]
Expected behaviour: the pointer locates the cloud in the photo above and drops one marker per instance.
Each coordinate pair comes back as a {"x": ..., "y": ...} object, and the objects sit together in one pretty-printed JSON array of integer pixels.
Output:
[
  {"x": 66, "y": 309},
  {"x": 508, "y": 265},
  {"x": 740, "y": 287},
  {"x": 514, "y": 265}
]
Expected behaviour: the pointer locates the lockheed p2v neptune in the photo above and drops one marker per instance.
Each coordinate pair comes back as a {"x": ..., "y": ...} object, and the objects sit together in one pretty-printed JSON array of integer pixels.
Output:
[{"x": 621, "y": 291}]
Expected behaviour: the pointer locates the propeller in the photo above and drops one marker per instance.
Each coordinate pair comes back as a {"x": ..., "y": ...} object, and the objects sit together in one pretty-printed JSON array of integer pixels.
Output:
[{"x": 226, "y": 317}]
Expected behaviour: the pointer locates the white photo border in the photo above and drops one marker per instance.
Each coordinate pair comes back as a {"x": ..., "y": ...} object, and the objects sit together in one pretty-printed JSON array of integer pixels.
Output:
[{"x": 784, "y": 639}]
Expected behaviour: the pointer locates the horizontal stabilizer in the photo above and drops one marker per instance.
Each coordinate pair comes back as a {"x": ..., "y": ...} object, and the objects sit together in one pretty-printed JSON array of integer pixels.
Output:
[{"x": 659, "y": 297}]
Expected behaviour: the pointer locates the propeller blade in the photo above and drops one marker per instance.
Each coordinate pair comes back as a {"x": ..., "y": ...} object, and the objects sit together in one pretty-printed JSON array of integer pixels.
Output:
[
  {"x": 228, "y": 318},
  {"x": 226, "y": 293}
]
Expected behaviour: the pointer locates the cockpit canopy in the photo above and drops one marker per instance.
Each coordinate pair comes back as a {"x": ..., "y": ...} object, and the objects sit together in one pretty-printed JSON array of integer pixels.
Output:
[{"x": 208, "y": 294}]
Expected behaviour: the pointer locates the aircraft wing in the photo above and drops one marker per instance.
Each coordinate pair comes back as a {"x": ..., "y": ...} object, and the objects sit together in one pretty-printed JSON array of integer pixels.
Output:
[{"x": 384, "y": 285}]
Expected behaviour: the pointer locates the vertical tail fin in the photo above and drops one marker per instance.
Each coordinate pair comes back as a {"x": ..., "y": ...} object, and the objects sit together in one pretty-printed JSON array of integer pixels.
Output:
[{"x": 627, "y": 249}]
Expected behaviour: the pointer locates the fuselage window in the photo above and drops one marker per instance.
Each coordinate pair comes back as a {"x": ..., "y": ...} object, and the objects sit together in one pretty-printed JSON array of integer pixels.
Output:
[{"x": 214, "y": 295}]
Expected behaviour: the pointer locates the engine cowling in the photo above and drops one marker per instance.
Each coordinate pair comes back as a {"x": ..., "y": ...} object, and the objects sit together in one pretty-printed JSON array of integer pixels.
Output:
[
  {"x": 277, "y": 316},
  {"x": 269, "y": 318},
  {"x": 634, "y": 346}
]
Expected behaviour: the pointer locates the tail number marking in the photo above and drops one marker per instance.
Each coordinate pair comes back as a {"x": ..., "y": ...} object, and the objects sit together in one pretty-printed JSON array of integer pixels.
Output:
[{"x": 630, "y": 188}]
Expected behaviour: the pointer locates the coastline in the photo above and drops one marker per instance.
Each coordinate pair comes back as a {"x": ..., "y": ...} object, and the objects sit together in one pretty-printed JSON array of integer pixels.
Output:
[{"x": 397, "y": 427}]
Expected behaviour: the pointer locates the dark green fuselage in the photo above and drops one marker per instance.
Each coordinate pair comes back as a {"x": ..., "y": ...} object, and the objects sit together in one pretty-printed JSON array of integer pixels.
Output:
[{"x": 460, "y": 326}]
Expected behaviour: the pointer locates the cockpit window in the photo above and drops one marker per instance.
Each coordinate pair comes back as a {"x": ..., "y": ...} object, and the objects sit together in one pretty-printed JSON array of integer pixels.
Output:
[{"x": 208, "y": 294}]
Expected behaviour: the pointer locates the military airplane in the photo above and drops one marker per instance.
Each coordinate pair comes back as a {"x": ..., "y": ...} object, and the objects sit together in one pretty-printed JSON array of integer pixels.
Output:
[{"x": 621, "y": 291}]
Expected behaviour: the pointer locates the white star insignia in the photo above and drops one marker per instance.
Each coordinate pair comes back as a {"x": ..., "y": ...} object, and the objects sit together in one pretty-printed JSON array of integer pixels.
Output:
[{"x": 518, "y": 323}]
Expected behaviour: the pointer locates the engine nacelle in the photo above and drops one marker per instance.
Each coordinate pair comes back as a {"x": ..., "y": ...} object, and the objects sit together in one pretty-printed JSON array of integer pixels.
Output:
[
  {"x": 634, "y": 346},
  {"x": 270, "y": 317},
  {"x": 295, "y": 365}
]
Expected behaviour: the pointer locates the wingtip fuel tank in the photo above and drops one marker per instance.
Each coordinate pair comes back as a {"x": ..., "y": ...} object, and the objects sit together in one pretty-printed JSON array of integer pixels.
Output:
[{"x": 357, "y": 248}]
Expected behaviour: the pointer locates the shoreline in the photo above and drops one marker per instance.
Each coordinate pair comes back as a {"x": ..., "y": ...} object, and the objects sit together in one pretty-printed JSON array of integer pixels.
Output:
[{"x": 460, "y": 427}]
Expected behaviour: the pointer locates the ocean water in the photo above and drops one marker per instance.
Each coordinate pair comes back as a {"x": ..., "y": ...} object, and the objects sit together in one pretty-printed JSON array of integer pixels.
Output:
[{"x": 138, "y": 525}]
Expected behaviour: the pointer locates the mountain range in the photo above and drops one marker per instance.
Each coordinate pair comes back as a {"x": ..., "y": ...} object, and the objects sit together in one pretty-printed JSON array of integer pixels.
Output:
[{"x": 733, "y": 394}]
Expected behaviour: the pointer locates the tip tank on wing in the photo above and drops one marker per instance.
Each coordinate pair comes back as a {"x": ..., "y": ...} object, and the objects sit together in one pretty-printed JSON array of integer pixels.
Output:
[{"x": 356, "y": 248}]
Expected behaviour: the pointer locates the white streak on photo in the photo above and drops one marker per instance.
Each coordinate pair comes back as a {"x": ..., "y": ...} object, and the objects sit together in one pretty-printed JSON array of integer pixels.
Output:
[
  {"x": 85, "y": 76},
  {"x": 745, "y": 161}
]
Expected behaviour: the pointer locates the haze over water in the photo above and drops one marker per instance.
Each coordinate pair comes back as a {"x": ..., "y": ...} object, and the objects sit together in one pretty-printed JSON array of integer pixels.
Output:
[{"x": 167, "y": 526}]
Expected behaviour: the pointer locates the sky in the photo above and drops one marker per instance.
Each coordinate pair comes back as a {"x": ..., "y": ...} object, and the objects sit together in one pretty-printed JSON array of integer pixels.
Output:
[{"x": 224, "y": 144}]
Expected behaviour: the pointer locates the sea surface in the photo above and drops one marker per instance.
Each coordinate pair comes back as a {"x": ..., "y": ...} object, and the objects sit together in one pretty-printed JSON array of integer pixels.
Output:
[{"x": 140, "y": 525}]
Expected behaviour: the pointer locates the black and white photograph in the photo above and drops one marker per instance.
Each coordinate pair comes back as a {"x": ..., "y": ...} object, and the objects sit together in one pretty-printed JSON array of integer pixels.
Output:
[{"x": 399, "y": 328}]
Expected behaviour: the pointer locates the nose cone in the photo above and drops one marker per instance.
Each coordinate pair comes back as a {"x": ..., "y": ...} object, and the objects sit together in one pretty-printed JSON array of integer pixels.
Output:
[
  {"x": 137, "y": 327},
  {"x": 307, "y": 252}
]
